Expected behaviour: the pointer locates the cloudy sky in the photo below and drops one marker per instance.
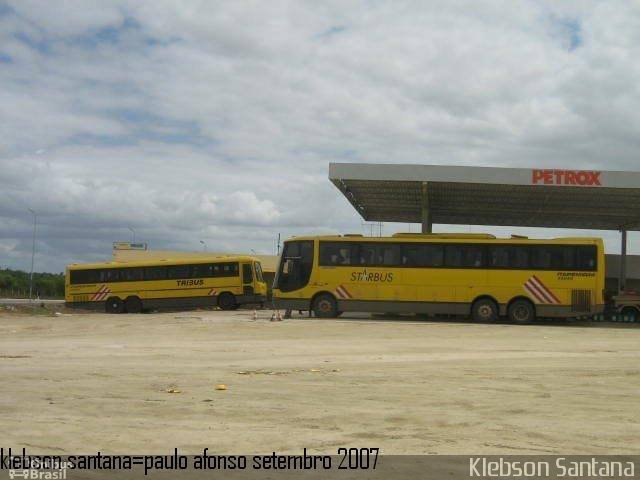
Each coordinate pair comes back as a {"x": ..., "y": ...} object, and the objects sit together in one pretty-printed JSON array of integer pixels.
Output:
[{"x": 216, "y": 121}]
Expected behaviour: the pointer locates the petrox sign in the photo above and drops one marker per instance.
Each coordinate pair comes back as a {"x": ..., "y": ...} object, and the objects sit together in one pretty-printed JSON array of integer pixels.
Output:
[{"x": 581, "y": 178}]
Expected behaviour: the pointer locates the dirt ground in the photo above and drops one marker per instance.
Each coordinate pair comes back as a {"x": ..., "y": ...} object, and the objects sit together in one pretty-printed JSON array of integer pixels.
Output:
[{"x": 79, "y": 383}]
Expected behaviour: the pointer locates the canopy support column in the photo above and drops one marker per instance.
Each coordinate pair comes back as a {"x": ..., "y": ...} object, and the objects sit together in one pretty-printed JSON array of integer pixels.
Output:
[
  {"x": 427, "y": 226},
  {"x": 622, "y": 281}
]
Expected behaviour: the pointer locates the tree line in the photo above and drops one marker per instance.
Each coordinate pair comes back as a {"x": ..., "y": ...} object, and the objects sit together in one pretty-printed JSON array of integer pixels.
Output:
[{"x": 15, "y": 284}]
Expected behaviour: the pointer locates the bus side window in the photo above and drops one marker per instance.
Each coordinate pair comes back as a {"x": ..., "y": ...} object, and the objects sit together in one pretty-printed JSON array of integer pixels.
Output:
[
  {"x": 132, "y": 274},
  {"x": 453, "y": 256},
  {"x": 499, "y": 256},
  {"x": 111, "y": 275},
  {"x": 344, "y": 255},
  {"x": 562, "y": 257},
  {"x": 519, "y": 257},
  {"x": 368, "y": 255},
  {"x": 155, "y": 273},
  {"x": 472, "y": 256},
  {"x": 422, "y": 255},
  {"x": 229, "y": 270},
  {"x": 586, "y": 258},
  {"x": 331, "y": 253},
  {"x": 178, "y": 271},
  {"x": 84, "y": 276},
  {"x": 434, "y": 255},
  {"x": 411, "y": 255},
  {"x": 389, "y": 255},
  {"x": 540, "y": 257}
]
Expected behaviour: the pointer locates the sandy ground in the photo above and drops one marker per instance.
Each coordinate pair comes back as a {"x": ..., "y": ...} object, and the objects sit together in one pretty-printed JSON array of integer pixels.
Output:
[{"x": 81, "y": 383}]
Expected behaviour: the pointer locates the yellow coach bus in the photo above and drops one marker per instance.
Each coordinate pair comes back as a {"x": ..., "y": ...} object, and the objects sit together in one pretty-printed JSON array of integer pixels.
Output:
[
  {"x": 226, "y": 282},
  {"x": 464, "y": 274}
]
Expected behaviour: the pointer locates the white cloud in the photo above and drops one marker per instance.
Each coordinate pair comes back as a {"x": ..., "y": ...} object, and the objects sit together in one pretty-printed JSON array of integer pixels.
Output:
[{"x": 189, "y": 120}]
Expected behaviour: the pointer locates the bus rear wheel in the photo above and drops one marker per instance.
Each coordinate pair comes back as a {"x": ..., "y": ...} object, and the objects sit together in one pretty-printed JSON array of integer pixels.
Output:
[
  {"x": 522, "y": 312},
  {"x": 133, "y": 305},
  {"x": 484, "y": 310},
  {"x": 113, "y": 305},
  {"x": 325, "y": 306},
  {"x": 227, "y": 301}
]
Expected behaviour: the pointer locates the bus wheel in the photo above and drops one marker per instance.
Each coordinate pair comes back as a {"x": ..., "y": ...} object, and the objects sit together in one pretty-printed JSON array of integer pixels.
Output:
[
  {"x": 113, "y": 305},
  {"x": 133, "y": 305},
  {"x": 630, "y": 312},
  {"x": 484, "y": 310},
  {"x": 521, "y": 311},
  {"x": 227, "y": 301},
  {"x": 324, "y": 306}
]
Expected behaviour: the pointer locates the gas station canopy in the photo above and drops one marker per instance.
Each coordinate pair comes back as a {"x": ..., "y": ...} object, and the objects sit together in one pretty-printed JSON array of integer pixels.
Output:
[
  {"x": 426, "y": 194},
  {"x": 524, "y": 197}
]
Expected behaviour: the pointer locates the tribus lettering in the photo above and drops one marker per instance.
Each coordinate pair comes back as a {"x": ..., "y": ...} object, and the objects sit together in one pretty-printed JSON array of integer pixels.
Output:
[
  {"x": 365, "y": 276},
  {"x": 189, "y": 283}
]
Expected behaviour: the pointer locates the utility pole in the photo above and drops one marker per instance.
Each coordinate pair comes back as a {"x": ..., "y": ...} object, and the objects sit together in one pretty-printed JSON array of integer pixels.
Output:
[{"x": 33, "y": 252}]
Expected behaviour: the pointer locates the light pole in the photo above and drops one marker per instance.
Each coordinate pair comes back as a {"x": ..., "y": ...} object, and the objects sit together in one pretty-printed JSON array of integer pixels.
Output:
[
  {"x": 33, "y": 252},
  {"x": 204, "y": 245},
  {"x": 134, "y": 233}
]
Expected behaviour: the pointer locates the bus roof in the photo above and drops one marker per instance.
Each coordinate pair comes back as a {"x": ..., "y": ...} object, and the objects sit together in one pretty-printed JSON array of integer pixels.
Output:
[
  {"x": 450, "y": 237},
  {"x": 167, "y": 261}
]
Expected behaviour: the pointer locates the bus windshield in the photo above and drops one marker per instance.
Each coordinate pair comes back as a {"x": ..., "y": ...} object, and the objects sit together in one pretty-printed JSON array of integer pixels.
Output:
[
  {"x": 258, "y": 269},
  {"x": 295, "y": 265}
]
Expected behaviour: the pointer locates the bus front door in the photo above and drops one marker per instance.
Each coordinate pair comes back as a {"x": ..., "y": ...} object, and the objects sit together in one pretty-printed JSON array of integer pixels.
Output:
[{"x": 247, "y": 279}]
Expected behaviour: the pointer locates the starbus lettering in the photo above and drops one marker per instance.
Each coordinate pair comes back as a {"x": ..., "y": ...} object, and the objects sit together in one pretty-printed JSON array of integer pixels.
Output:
[
  {"x": 365, "y": 276},
  {"x": 585, "y": 178},
  {"x": 189, "y": 283}
]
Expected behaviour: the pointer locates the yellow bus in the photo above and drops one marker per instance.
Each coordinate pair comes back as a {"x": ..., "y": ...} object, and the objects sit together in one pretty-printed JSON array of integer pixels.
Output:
[
  {"x": 225, "y": 281},
  {"x": 462, "y": 274}
]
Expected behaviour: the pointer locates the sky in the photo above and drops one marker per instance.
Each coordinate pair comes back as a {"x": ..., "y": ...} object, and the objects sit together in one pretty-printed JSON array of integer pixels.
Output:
[{"x": 190, "y": 120}]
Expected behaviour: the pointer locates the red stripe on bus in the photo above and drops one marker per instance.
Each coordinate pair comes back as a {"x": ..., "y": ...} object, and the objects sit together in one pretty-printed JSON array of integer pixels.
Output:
[
  {"x": 104, "y": 292},
  {"x": 533, "y": 293},
  {"x": 343, "y": 292},
  {"x": 546, "y": 289},
  {"x": 547, "y": 298},
  {"x": 96, "y": 295}
]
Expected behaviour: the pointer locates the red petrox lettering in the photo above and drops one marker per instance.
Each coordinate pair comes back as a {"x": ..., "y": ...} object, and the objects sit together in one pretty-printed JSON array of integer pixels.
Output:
[{"x": 586, "y": 178}]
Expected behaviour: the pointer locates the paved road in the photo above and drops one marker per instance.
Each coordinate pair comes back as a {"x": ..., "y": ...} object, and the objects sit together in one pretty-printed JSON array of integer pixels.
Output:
[{"x": 26, "y": 301}]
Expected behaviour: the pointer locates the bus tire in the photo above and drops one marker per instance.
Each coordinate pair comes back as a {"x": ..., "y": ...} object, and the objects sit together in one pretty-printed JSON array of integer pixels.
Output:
[
  {"x": 113, "y": 305},
  {"x": 133, "y": 305},
  {"x": 325, "y": 306},
  {"x": 227, "y": 301},
  {"x": 484, "y": 310},
  {"x": 630, "y": 312},
  {"x": 521, "y": 311}
]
